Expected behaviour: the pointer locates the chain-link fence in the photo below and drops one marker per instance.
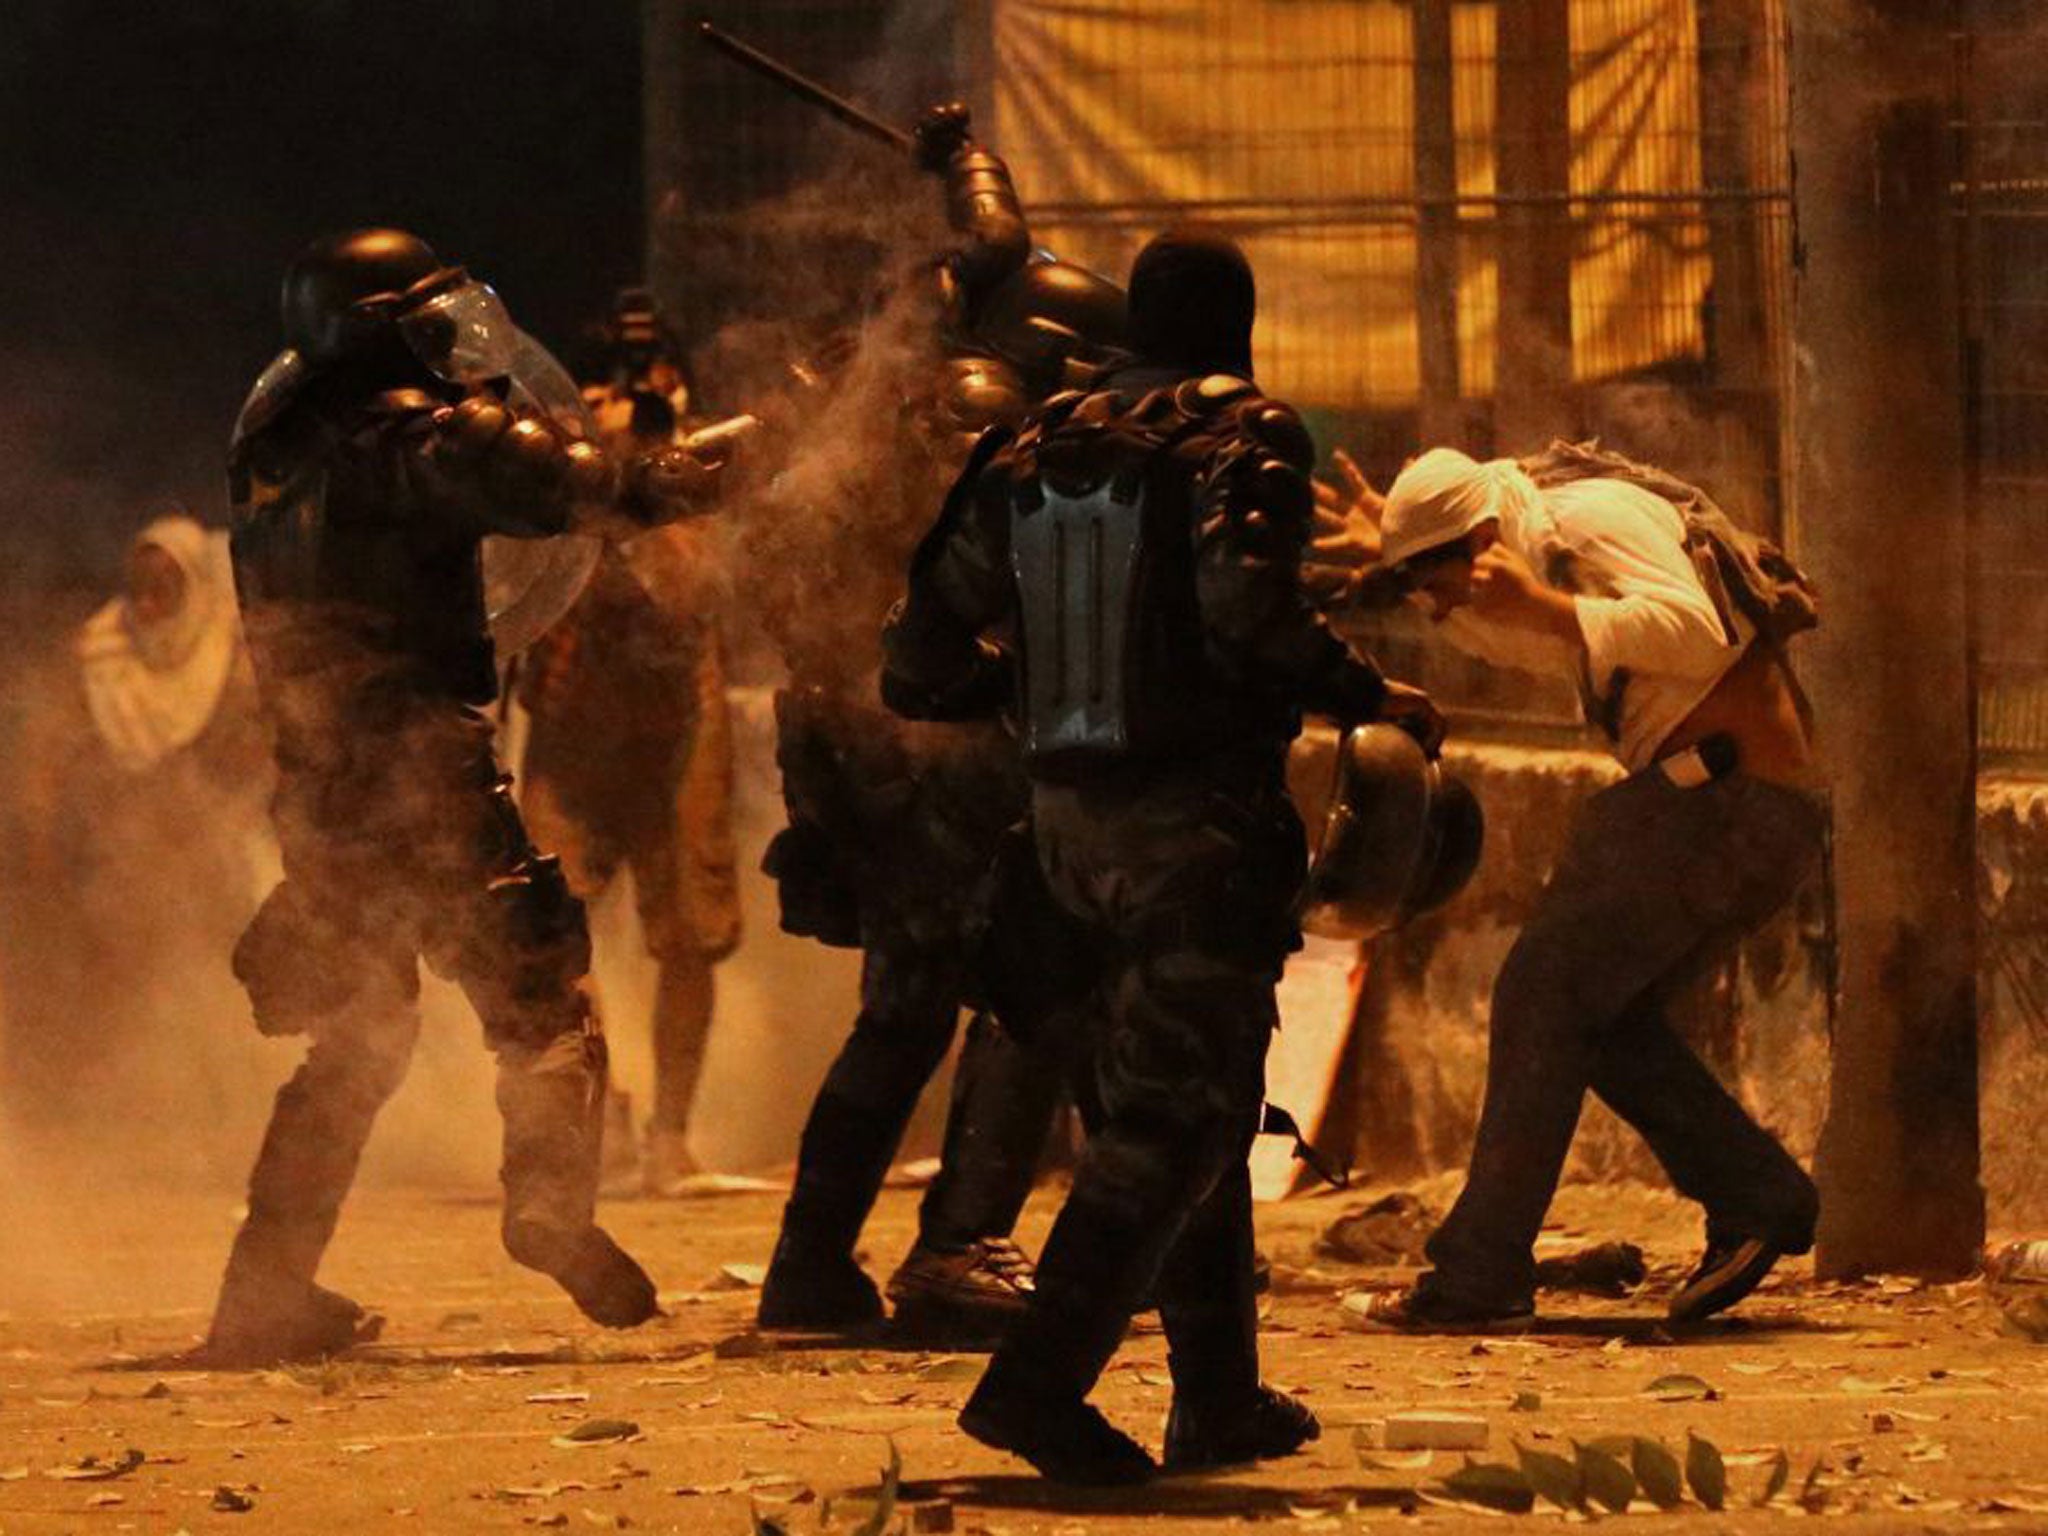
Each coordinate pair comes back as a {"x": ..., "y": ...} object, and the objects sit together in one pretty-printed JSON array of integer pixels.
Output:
[{"x": 1474, "y": 222}]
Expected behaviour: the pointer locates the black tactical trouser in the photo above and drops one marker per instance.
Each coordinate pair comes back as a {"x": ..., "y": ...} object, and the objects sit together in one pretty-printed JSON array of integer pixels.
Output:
[
  {"x": 907, "y": 823},
  {"x": 444, "y": 873},
  {"x": 1656, "y": 886},
  {"x": 1184, "y": 886}
]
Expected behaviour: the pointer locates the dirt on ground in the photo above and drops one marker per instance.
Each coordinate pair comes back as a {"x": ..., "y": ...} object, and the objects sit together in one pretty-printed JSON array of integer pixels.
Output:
[{"x": 489, "y": 1405}]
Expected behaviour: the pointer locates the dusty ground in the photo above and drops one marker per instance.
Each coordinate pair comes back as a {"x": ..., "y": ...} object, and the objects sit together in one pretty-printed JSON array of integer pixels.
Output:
[{"x": 1918, "y": 1411}]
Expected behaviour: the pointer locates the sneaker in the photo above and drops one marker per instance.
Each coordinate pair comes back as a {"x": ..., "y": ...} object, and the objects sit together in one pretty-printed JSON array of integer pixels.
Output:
[
  {"x": 1067, "y": 1442},
  {"x": 817, "y": 1293},
  {"x": 982, "y": 1288},
  {"x": 1229, "y": 1434},
  {"x": 1416, "y": 1310},
  {"x": 322, "y": 1324},
  {"x": 1727, "y": 1272}
]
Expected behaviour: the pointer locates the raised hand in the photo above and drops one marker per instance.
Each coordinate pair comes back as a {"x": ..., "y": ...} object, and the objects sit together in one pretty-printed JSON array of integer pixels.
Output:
[{"x": 1346, "y": 537}]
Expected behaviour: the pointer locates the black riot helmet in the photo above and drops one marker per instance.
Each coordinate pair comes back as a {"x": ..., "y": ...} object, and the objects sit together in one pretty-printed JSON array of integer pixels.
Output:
[
  {"x": 343, "y": 294},
  {"x": 1192, "y": 302},
  {"x": 1048, "y": 315}
]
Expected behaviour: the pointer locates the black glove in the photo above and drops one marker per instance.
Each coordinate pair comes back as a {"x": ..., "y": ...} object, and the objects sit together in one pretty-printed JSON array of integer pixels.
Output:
[{"x": 942, "y": 133}]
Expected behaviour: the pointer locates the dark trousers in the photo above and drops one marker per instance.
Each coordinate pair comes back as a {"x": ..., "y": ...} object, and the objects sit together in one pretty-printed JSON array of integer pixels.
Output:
[
  {"x": 1656, "y": 885},
  {"x": 1004, "y": 1097},
  {"x": 1183, "y": 889}
]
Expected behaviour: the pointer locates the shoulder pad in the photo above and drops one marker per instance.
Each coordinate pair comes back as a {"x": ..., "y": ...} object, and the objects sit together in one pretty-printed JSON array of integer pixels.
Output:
[
  {"x": 1280, "y": 428},
  {"x": 1212, "y": 392},
  {"x": 982, "y": 392},
  {"x": 403, "y": 402}
]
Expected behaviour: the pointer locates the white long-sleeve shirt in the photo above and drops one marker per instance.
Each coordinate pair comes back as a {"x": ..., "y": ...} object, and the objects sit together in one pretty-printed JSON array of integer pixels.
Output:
[{"x": 1620, "y": 552}]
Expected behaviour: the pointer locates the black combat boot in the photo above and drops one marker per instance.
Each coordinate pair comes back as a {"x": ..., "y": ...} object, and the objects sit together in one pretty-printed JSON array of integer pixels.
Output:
[
  {"x": 1222, "y": 1432},
  {"x": 279, "y": 1328},
  {"x": 552, "y": 1101},
  {"x": 1033, "y": 1401},
  {"x": 1066, "y": 1439},
  {"x": 813, "y": 1282}
]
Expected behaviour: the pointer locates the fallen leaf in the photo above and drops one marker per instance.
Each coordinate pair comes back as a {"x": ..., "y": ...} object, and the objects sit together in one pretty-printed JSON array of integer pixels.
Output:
[
  {"x": 1681, "y": 1389},
  {"x": 888, "y": 1399},
  {"x": 1373, "y": 1459},
  {"x": 91, "y": 1469},
  {"x": 230, "y": 1501},
  {"x": 1554, "y": 1478},
  {"x": 598, "y": 1432},
  {"x": 956, "y": 1369},
  {"x": 885, "y": 1498},
  {"x": 1755, "y": 1367},
  {"x": 1607, "y": 1479},
  {"x": 1781, "y": 1474},
  {"x": 1813, "y": 1494},
  {"x": 738, "y": 1277},
  {"x": 1862, "y": 1388},
  {"x": 104, "y": 1500},
  {"x": 1705, "y": 1472},
  {"x": 558, "y": 1397},
  {"x": 1491, "y": 1485},
  {"x": 1658, "y": 1471}
]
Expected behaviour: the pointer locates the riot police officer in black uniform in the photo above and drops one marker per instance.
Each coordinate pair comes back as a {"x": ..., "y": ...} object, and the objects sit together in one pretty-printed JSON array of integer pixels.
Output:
[
  {"x": 1135, "y": 553},
  {"x": 895, "y": 828},
  {"x": 397, "y": 431}
]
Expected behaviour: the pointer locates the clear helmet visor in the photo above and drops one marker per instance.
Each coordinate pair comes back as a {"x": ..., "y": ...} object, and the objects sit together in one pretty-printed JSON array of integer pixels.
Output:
[
  {"x": 274, "y": 386},
  {"x": 530, "y": 583},
  {"x": 465, "y": 335}
]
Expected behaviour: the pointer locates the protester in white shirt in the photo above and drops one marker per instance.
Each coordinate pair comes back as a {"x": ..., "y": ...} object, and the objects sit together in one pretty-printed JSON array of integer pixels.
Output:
[{"x": 1661, "y": 876}]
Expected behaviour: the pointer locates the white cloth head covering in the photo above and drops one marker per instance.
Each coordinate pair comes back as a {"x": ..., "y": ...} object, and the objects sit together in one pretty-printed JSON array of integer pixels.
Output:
[
  {"x": 153, "y": 689},
  {"x": 1444, "y": 494}
]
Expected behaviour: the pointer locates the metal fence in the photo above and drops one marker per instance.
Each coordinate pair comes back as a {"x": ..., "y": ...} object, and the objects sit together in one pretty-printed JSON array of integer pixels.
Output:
[
  {"x": 1475, "y": 222},
  {"x": 2001, "y": 121}
]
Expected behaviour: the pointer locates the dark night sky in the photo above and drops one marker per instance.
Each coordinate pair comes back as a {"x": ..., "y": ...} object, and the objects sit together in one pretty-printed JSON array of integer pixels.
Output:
[{"x": 164, "y": 162}]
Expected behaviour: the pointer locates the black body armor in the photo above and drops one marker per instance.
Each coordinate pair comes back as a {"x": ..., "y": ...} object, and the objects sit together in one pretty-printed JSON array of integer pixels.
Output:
[
  {"x": 344, "y": 547},
  {"x": 1112, "y": 497}
]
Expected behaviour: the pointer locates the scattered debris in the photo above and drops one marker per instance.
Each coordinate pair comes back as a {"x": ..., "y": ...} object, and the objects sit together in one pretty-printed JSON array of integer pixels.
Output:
[
  {"x": 1681, "y": 1389},
  {"x": 1391, "y": 1230},
  {"x": 1606, "y": 1269},
  {"x": 597, "y": 1432},
  {"x": 93, "y": 1469},
  {"x": 231, "y": 1501},
  {"x": 1705, "y": 1472},
  {"x": 738, "y": 1277}
]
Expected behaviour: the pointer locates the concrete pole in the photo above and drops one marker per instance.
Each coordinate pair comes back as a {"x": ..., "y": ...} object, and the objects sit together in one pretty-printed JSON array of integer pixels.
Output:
[{"x": 1878, "y": 498}]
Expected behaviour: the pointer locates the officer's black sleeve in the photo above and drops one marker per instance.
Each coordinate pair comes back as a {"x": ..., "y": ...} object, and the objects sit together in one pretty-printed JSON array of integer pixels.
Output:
[
  {"x": 983, "y": 207},
  {"x": 1256, "y": 512},
  {"x": 938, "y": 663}
]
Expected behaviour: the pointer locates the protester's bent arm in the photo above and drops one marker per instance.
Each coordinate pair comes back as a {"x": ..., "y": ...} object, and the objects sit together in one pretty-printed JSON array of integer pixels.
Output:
[{"x": 1655, "y": 617}]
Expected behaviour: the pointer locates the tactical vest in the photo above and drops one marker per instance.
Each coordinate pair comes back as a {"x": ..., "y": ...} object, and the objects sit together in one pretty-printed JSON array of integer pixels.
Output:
[{"x": 1102, "y": 549}]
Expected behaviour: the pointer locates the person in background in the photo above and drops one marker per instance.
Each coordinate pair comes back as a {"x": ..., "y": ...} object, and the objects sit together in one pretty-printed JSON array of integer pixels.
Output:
[{"x": 629, "y": 750}]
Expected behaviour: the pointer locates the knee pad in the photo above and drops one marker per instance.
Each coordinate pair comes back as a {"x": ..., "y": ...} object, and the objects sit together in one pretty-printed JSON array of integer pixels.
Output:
[{"x": 300, "y": 967}]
